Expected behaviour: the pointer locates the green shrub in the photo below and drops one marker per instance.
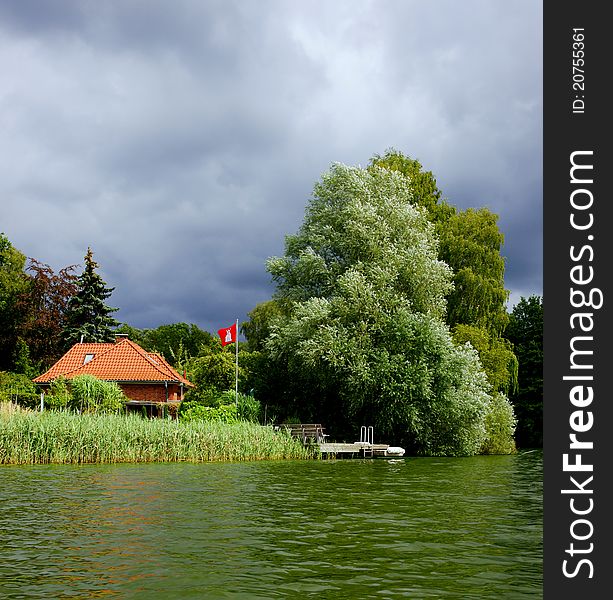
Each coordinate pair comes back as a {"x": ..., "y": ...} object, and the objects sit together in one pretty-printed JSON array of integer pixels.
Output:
[
  {"x": 249, "y": 409},
  {"x": 222, "y": 407},
  {"x": 59, "y": 395},
  {"x": 500, "y": 424},
  {"x": 18, "y": 388},
  {"x": 194, "y": 411},
  {"x": 92, "y": 395}
]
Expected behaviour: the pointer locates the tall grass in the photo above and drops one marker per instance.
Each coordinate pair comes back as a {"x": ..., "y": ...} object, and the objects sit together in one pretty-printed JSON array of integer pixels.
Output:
[
  {"x": 27, "y": 437},
  {"x": 92, "y": 395}
]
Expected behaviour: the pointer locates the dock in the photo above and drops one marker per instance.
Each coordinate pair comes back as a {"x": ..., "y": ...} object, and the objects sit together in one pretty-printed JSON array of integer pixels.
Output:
[
  {"x": 363, "y": 449},
  {"x": 313, "y": 435}
]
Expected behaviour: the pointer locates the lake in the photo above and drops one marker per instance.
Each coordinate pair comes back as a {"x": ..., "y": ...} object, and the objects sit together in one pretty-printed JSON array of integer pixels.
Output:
[{"x": 403, "y": 528}]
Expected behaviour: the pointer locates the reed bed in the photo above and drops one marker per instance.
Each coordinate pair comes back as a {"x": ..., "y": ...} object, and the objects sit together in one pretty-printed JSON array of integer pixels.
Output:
[{"x": 28, "y": 437}]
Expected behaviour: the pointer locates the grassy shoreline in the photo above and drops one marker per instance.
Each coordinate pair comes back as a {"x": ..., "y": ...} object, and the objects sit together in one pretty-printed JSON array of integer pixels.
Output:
[{"x": 28, "y": 437}]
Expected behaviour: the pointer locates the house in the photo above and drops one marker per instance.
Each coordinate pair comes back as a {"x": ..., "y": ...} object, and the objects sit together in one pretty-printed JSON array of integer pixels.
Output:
[{"x": 145, "y": 377}]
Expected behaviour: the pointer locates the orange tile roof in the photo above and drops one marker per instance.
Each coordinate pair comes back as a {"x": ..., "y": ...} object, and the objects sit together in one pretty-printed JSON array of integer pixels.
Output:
[{"x": 123, "y": 361}]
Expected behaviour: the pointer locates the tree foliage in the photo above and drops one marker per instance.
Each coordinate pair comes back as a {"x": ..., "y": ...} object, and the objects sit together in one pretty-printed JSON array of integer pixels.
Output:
[
  {"x": 13, "y": 283},
  {"x": 500, "y": 423},
  {"x": 361, "y": 337},
  {"x": 257, "y": 328},
  {"x": 33, "y": 304},
  {"x": 212, "y": 372},
  {"x": 363, "y": 222},
  {"x": 525, "y": 332},
  {"x": 88, "y": 317},
  {"x": 470, "y": 242},
  {"x": 424, "y": 189},
  {"x": 176, "y": 342},
  {"x": 19, "y": 389},
  {"x": 496, "y": 354},
  {"x": 44, "y": 307},
  {"x": 58, "y": 395}
]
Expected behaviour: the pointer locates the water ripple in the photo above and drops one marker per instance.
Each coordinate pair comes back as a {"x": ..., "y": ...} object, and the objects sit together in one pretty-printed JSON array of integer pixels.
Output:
[{"x": 410, "y": 528}]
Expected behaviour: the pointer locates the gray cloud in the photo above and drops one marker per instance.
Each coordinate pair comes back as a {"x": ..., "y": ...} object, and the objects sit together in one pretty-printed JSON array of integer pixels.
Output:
[{"x": 182, "y": 141}]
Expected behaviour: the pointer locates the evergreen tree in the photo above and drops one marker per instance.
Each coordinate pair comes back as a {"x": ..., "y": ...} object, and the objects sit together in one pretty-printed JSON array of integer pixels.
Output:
[{"x": 89, "y": 318}]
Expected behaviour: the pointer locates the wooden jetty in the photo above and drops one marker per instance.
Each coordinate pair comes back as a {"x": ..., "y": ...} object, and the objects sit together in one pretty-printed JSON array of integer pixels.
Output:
[
  {"x": 363, "y": 449},
  {"x": 312, "y": 434}
]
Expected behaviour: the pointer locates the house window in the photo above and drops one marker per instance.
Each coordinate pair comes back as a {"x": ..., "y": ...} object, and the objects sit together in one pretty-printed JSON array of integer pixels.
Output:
[{"x": 87, "y": 358}]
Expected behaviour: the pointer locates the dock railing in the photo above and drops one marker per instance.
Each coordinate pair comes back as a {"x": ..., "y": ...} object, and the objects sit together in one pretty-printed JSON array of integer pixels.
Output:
[
  {"x": 367, "y": 434},
  {"x": 367, "y": 437}
]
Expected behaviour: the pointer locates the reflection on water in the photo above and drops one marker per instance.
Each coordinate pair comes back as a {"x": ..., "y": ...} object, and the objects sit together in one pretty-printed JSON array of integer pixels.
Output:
[{"x": 402, "y": 528}]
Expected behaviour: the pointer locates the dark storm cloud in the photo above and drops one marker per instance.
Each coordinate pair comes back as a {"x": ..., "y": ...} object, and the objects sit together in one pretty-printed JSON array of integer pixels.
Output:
[{"x": 182, "y": 140}]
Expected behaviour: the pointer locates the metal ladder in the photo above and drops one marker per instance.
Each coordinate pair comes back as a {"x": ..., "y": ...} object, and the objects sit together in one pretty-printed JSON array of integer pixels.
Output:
[{"x": 367, "y": 437}]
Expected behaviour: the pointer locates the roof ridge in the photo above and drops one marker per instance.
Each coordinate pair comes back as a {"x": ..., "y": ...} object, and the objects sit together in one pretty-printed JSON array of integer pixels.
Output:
[
  {"x": 146, "y": 355},
  {"x": 169, "y": 366}
]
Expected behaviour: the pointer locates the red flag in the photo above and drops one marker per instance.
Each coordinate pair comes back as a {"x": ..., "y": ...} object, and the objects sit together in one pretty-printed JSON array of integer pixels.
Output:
[{"x": 227, "y": 334}]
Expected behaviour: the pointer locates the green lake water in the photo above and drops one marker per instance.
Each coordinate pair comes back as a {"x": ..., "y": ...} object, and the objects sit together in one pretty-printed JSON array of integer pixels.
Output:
[{"x": 405, "y": 528}]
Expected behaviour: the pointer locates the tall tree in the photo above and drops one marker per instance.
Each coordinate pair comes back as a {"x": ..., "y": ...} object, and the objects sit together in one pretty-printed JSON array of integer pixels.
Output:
[
  {"x": 177, "y": 342},
  {"x": 361, "y": 337},
  {"x": 88, "y": 317},
  {"x": 257, "y": 328},
  {"x": 33, "y": 303},
  {"x": 44, "y": 306},
  {"x": 13, "y": 283},
  {"x": 470, "y": 242},
  {"x": 525, "y": 332}
]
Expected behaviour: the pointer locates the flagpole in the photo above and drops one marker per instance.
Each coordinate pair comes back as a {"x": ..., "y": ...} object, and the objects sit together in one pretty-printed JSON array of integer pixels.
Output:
[{"x": 236, "y": 386}]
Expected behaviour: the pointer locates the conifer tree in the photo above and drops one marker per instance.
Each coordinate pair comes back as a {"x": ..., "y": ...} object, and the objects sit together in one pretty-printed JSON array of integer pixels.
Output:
[{"x": 89, "y": 318}]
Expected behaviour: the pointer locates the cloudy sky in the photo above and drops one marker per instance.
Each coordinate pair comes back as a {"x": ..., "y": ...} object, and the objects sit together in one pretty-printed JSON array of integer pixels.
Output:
[{"x": 181, "y": 140}]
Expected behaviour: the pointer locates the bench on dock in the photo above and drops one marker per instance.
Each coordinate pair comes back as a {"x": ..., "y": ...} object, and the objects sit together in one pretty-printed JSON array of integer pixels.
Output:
[{"x": 308, "y": 433}]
